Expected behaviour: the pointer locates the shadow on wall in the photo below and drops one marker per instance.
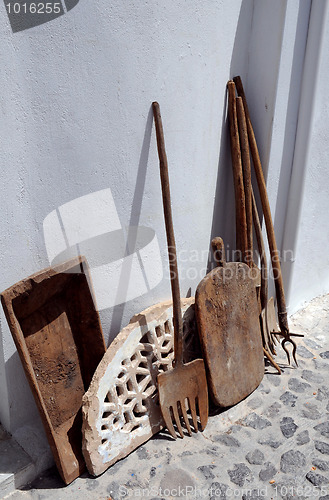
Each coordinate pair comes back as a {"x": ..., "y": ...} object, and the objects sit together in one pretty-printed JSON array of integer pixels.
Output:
[
  {"x": 28, "y": 14},
  {"x": 120, "y": 263},
  {"x": 125, "y": 274},
  {"x": 223, "y": 223},
  {"x": 259, "y": 70},
  {"x": 125, "y": 263}
]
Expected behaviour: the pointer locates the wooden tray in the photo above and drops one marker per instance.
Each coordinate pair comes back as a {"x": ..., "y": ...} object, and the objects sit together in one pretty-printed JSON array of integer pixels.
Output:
[{"x": 58, "y": 335}]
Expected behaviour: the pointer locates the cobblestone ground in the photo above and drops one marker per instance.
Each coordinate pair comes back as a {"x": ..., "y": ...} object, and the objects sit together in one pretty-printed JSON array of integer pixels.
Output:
[{"x": 273, "y": 445}]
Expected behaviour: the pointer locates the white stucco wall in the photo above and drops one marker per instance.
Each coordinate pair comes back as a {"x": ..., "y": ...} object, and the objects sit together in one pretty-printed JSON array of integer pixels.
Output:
[
  {"x": 76, "y": 121},
  {"x": 75, "y": 100},
  {"x": 306, "y": 225}
]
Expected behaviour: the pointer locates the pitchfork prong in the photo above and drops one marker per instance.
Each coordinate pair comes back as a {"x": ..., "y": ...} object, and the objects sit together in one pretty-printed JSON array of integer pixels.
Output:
[
  {"x": 185, "y": 417},
  {"x": 274, "y": 339},
  {"x": 193, "y": 413},
  {"x": 294, "y": 349},
  {"x": 177, "y": 420},
  {"x": 271, "y": 344},
  {"x": 168, "y": 421},
  {"x": 202, "y": 405}
]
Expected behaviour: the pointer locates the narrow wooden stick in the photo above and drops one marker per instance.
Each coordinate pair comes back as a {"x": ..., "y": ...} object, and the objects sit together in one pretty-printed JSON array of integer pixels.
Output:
[
  {"x": 262, "y": 254},
  {"x": 174, "y": 279},
  {"x": 264, "y": 273},
  {"x": 240, "y": 211},
  {"x": 245, "y": 157}
]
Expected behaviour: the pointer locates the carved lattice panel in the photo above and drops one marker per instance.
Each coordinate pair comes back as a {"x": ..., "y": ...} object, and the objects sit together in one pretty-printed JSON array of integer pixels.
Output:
[{"x": 121, "y": 408}]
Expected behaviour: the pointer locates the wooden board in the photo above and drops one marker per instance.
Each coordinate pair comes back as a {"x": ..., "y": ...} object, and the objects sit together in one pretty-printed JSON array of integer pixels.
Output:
[
  {"x": 58, "y": 335},
  {"x": 229, "y": 329}
]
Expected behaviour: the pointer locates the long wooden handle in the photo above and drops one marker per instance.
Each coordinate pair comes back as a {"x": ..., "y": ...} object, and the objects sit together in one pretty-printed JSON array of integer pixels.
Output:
[
  {"x": 174, "y": 278},
  {"x": 282, "y": 311},
  {"x": 240, "y": 210},
  {"x": 245, "y": 157},
  {"x": 261, "y": 249}
]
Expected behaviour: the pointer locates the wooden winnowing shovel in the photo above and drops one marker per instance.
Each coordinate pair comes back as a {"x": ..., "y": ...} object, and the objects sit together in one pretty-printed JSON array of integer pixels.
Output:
[
  {"x": 228, "y": 323},
  {"x": 185, "y": 384},
  {"x": 226, "y": 304}
]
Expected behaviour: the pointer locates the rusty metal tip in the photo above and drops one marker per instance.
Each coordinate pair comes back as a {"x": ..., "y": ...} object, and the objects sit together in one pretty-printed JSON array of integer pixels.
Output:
[{"x": 294, "y": 349}]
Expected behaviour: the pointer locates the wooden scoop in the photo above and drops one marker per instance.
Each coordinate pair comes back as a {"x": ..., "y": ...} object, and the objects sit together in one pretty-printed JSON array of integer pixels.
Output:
[
  {"x": 228, "y": 323},
  {"x": 185, "y": 385}
]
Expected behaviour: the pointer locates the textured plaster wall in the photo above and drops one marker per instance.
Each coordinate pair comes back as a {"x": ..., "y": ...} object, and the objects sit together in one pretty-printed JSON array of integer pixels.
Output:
[
  {"x": 76, "y": 119},
  {"x": 76, "y": 122},
  {"x": 306, "y": 226}
]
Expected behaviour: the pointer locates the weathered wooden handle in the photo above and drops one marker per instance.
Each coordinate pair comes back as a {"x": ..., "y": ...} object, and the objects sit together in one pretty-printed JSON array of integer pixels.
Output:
[
  {"x": 174, "y": 278},
  {"x": 240, "y": 210},
  {"x": 275, "y": 259},
  {"x": 261, "y": 249},
  {"x": 217, "y": 245},
  {"x": 245, "y": 157}
]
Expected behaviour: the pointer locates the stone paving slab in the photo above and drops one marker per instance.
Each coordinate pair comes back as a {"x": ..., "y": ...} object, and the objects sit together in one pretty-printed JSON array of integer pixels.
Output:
[
  {"x": 16, "y": 466},
  {"x": 273, "y": 445}
]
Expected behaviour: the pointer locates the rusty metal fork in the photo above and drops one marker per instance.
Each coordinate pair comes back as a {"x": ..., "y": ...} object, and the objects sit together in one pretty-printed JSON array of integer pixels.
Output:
[
  {"x": 185, "y": 381},
  {"x": 287, "y": 338}
]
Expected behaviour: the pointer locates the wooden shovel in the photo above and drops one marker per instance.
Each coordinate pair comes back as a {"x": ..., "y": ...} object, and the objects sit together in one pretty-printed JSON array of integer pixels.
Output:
[
  {"x": 226, "y": 303},
  {"x": 185, "y": 384},
  {"x": 227, "y": 316}
]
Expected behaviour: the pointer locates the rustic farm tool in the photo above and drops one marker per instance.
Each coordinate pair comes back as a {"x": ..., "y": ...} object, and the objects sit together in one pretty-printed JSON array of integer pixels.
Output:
[
  {"x": 228, "y": 323},
  {"x": 184, "y": 383},
  {"x": 267, "y": 315},
  {"x": 281, "y": 304},
  {"x": 252, "y": 215}
]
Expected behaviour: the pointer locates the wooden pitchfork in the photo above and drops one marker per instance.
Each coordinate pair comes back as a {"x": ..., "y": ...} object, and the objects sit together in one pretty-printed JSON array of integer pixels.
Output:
[
  {"x": 184, "y": 384},
  {"x": 276, "y": 266}
]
